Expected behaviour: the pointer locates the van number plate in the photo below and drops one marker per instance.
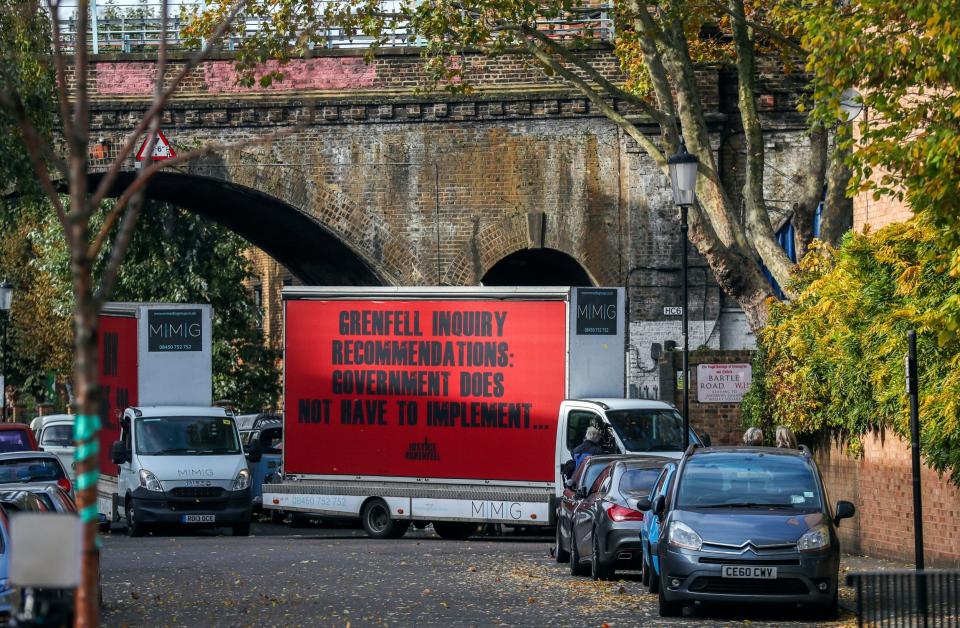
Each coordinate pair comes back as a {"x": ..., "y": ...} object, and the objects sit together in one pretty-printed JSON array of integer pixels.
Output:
[
  {"x": 199, "y": 518},
  {"x": 749, "y": 571}
]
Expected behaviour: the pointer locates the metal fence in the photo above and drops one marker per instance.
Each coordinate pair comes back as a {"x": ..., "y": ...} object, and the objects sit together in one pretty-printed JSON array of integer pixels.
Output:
[
  {"x": 138, "y": 27},
  {"x": 925, "y": 599}
]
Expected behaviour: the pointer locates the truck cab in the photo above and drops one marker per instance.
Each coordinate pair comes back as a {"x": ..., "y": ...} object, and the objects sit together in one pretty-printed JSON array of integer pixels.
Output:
[
  {"x": 628, "y": 426},
  {"x": 182, "y": 465}
]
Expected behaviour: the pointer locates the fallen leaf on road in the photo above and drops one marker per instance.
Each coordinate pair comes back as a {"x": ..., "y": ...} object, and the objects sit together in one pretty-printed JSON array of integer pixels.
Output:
[
  {"x": 425, "y": 592},
  {"x": 472, "y": 568}
]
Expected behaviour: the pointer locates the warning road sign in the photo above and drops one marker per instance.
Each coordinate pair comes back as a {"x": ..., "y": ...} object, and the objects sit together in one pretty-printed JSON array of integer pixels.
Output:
[{"x": 161, "y": 148}]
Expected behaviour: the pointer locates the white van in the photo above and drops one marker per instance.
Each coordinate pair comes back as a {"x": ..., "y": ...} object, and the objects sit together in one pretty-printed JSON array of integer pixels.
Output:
[
  {"x": 182, "y": 465},
  {"x": 55, "y": 434},
  {"x": 628, "y": 426}
]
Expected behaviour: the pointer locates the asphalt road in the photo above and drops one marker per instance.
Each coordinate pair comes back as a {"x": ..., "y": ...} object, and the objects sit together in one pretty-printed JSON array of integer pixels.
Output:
[{"x": 317, "y": 576}]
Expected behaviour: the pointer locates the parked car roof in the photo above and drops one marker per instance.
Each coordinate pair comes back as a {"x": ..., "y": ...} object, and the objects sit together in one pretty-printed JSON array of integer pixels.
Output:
[
  {"x": 627, "y": 404},
  {"x": 28, "y": 454},
  {"x": 27, "y": 438},
  {"x": 644, "y": 462},
  {"x": 38, "y": 422},
  {"x": 743, "y": 449}
]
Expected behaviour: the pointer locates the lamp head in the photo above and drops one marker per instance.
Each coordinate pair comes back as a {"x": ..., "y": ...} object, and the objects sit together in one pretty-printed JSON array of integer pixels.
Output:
[{"x": 683, "y": 176}]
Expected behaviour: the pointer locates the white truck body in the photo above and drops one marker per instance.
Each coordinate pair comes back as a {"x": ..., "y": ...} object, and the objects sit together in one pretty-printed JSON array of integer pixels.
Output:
[{"x": 156, "y": 367}]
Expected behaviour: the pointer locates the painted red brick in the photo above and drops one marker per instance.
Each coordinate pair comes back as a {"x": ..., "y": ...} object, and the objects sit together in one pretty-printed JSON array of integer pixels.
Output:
[{"x": 320, "y": 73}]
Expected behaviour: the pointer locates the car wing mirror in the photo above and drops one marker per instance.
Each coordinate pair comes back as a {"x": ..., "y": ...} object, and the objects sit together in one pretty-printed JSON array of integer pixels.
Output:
[
  {"x": 118, "y": 453},
  {"x": 642, "y": 503},
  {"x": 844, "y": 510},
  {"x": 570, "y": 485},
  {"x": 659, "y": 505},
  {"x": 255, "y": 451}
]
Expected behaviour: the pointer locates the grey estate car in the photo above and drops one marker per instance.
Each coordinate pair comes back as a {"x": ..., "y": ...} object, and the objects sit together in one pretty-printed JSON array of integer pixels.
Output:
[{"x": 748, "y": 524}]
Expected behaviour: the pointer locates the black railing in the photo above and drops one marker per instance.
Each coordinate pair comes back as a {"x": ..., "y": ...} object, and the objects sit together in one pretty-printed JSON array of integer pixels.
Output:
[{"x": 926, "y": 599}]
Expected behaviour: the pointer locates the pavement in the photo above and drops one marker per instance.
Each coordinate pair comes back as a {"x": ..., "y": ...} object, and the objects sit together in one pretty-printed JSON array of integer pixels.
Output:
[{"x": 336, "y": 576}]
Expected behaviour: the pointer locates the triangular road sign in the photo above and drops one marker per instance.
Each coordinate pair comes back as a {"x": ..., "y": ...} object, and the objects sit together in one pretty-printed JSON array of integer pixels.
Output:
[{"x": 161, "y": 148}]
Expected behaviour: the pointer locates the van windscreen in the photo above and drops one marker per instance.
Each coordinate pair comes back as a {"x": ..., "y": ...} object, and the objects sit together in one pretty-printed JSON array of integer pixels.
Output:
[{"x": 186, "y": 436}]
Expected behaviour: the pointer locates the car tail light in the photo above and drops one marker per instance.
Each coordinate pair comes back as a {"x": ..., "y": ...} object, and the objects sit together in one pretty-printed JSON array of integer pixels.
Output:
[
  {"x": 64, "y": 483},
  {"x": 619, "y": 513}
]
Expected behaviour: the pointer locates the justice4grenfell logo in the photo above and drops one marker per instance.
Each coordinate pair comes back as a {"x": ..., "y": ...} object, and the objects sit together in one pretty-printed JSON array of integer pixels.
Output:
[
  {"x": 596, "y": 312},
  {"x": 175, "y": 330}
]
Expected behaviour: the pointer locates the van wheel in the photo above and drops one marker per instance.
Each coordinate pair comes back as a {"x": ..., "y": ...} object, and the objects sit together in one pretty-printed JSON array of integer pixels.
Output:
[
  {"x": 134, "y": 528},
  {"x": 562, "y": 555},
  {"x": 452, "y": 531},
  {"x": 378, "y": 523}
]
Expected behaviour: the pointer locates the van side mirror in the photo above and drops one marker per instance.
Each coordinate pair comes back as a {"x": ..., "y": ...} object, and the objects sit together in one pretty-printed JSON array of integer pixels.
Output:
[
  {"x": 643, "y": 503},
  {"x": 580, "y": 492},
  {"x": 659, "y": 505},
  {"x": 844, "y": 510},
  {"x": 570, "y": 484},
  {"x": 118, "y": 453},
  {"x": 705, "y": 439},
  {"x": 255, "y": 451}
]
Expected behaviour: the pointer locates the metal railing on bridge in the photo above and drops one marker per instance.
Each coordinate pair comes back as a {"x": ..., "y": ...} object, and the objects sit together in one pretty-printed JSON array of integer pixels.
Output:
[
  {"x": 137, "y": 27},
  {"x": 925, "y": 599}
]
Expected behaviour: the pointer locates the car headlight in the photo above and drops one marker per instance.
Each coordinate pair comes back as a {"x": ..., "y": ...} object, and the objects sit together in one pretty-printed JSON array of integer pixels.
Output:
[
  {"x": 815, "y": 538},
  {"x": 150, "y": 482},
  {"x": 682, "y": 535},
  {"x": 242, "y": 480}
]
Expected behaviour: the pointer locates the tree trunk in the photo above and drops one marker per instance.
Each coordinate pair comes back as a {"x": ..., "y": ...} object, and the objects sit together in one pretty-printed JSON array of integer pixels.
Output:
[
  {"x": 759, "y": 229},
  {"x": 87, "y": 391},
  {"x": 837, "y": 216},
  {"x": 805, "y": 211},
  {"x": 738, "y": 275}
]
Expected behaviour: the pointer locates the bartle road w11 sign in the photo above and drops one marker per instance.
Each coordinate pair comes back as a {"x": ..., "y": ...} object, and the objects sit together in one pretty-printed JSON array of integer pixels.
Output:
[
  {"x": 723, "y": 383},
  {"x": 433, "y": 388}
]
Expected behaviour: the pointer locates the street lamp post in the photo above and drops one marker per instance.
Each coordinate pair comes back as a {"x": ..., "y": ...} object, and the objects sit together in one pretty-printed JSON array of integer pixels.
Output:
[
  {"x": 683, "y": 183},
  {"x": 6, "y": 300}
]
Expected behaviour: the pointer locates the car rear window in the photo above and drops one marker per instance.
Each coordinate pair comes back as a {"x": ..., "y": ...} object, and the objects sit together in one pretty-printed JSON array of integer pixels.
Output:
[
  {"x": 14, "y": 440},
  {"x": 30, "y": 470},
  {"x": 638, "y": 481},
  {"x": 57, "y": 436},
  {"x": 748, "y": 480}
]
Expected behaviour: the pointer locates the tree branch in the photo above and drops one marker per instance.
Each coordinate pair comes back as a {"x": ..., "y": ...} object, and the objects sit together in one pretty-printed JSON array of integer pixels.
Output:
[
  {"x": 35, "y": 148},
  {"x": 641, "y": 138},
  {"x": 157, "y": 107},
  {"x": 647, "y": 37},
  {"x": 614, "y": 90}
]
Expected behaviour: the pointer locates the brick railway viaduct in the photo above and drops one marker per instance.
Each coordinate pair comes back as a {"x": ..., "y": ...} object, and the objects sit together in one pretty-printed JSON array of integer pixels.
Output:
[{"x": 518, "y": 182}]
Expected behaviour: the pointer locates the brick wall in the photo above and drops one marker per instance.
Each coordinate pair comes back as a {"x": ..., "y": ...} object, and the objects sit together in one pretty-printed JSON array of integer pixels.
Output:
[
  {"x": 880, "y": 485},
  {"x": 877, "y": 213},
  {"x": 722, "y": 421}
]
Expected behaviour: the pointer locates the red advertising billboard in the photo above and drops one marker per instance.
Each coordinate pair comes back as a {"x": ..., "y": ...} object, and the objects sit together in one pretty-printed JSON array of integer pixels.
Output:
[
  {"x": 423, "y": 388},
  {"x": 117, "y": 346}
]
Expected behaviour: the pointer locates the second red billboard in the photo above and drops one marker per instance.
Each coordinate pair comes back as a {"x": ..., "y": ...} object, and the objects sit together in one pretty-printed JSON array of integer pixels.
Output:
[{"x": 423, "y": 389}]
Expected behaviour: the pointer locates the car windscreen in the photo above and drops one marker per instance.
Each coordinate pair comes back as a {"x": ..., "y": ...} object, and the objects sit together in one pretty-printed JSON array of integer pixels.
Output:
[
  {"x": 186, "y": 436},
  {"x": 57, "y": 436},
  {"x": 748, "y": 480},
  {"x": 14, "y": 440},
  {"x": 648, "y": 430},
  {"x": 21, "y": 470},
  {"x": 638, "y": 481}
]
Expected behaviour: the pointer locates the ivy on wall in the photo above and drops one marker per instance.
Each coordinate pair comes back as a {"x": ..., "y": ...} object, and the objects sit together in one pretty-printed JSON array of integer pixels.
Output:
[{"x": 832, "y": 360}]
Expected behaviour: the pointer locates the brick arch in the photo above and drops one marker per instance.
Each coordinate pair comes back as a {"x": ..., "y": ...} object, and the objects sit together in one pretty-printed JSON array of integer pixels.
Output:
[
  {"x": 493, "y": 242},
  {"x": 293, "y": 235}
]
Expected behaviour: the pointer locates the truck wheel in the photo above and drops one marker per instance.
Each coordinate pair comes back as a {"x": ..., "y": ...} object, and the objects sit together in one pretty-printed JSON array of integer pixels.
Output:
[
  {"x": 452, "y": 531},
  {"x": 134, "y": 528},
  {"x": 378, "y": 523},
  {"x": 242, "y": 530},
  {"x": 562, "y": 555}
]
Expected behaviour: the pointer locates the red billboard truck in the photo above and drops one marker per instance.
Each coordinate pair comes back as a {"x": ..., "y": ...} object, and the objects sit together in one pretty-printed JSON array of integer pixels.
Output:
[
  {"x": 166, "y": 455},
  {"x": 445, "y": 405}
]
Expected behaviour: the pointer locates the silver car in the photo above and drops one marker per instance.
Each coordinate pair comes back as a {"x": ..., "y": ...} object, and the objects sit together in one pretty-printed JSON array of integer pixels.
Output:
[
  {"x": 748, "y": 525},
  {"x": 33, "y": 467}
]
